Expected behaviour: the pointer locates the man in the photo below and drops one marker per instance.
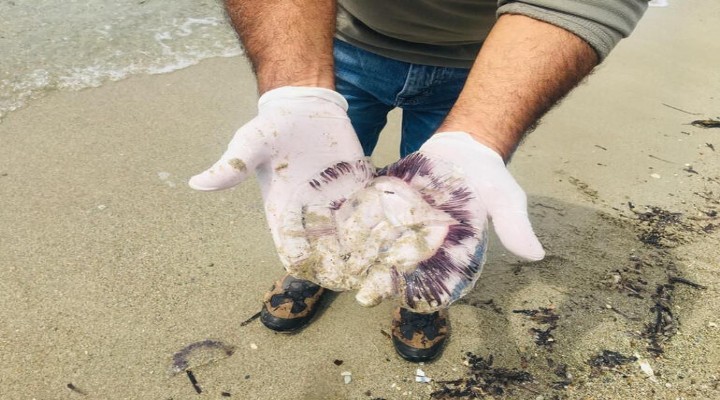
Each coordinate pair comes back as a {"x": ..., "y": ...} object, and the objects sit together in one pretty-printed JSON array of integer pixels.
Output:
[{"x": 475, "y": 83}]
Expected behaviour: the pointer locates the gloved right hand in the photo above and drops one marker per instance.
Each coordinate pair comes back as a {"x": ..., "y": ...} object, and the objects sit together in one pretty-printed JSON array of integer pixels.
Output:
[
  {"x": 425, "y": 220},
  {"x": 308, "y": 162}
]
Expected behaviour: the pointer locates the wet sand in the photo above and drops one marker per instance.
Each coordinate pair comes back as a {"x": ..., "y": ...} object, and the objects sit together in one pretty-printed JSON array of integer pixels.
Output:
[{"x": 109, "y": 263}]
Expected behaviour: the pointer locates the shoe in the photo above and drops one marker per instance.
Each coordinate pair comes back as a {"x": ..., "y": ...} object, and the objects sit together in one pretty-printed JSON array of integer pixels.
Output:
[
  {"x": 419, "y": 337},
  {"x": 290, "y": 304}
]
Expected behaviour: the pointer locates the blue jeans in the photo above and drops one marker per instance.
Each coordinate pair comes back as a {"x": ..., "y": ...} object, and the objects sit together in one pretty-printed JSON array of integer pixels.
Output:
[{"x": 373, "y": 85}]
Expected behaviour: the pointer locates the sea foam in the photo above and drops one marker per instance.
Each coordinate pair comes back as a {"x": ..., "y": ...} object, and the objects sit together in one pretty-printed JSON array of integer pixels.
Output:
[{"x": 49, "y": 45}]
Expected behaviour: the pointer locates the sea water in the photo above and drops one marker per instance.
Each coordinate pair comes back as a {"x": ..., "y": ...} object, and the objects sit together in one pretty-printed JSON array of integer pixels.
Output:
[{"x": 48, "y": 45}]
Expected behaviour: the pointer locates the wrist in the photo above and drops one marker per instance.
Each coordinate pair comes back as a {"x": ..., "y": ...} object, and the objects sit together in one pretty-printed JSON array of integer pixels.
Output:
[
  {"x": 496, "y": 138},
  {"x": 503, "y": 148},
  {"x": 286, "y": 93},
  {"x": 459, "y": 145},
  {"x": 275, "y": 77}
]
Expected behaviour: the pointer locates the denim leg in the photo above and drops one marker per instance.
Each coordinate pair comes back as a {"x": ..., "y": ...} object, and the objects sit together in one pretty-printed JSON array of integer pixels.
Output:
[
  {"x": 367, "y": 115},
  {"x": 417, "y": 127},
  {"x": 428, "y": 96},
  {"x": 370, "y": 84},
  {"x": 373, "y": 85}
]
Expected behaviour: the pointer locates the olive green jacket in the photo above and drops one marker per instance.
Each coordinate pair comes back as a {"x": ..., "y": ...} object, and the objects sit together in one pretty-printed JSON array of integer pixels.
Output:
[{"x": 450, "y": 32}]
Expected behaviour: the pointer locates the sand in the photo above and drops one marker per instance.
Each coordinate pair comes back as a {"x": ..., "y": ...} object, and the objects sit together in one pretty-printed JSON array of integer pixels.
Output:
[{"x": 109, "y": 263}]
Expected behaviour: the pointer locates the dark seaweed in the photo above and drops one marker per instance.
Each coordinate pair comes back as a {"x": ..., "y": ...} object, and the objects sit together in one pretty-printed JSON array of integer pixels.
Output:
[
  {"x": 547, "y": 316},
  {"x": 630, "y": 280},
  {"x": 677, "y": 279},
  {"x": 664, "y": 324},
  {"x": 706, "y": 123},
  {"x": 541, "y": 316},
  {"x": 193, "y": 381},
  {"x": 75, "y": 389},
  {"x": 610, "y": 359},
  {"x": 544, "y": 337},
  {"x": 657, "y": 227},
  {"x": 561, "y": 372},
  {"x": 482, "y": 379}
]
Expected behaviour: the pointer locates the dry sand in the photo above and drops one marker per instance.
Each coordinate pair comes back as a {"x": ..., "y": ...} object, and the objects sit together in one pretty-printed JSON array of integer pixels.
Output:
[{"x": 109, "y": 263}]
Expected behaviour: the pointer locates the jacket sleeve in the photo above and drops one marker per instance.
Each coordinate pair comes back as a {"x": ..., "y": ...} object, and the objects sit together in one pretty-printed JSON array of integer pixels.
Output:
[{"x": 601, "y": 23}]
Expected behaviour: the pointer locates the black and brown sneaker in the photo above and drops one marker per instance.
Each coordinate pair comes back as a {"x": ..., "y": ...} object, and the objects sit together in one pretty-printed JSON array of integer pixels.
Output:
[
  {"x": 290, "y": 304},
  {"x": 419, "y": 337}
]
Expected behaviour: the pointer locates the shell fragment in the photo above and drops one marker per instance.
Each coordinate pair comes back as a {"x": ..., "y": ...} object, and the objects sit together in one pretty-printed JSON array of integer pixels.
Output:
[{"x": 421, "y": 377}]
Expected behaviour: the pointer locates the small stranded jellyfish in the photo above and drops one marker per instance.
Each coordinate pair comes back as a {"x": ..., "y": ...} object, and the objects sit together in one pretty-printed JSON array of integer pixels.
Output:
[
  {"x": 417, "y": 233},
  {"x": 439, "y": 260},
  {"x": 198, "y": 354}
]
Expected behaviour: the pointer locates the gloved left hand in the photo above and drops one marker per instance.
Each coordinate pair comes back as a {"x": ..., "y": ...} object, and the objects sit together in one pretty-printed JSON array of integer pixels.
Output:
[{"x": 308, "y": 161}]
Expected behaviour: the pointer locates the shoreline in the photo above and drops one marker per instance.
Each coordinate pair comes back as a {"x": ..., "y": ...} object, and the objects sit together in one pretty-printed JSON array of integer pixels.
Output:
[{"x": 110, "y": 264}]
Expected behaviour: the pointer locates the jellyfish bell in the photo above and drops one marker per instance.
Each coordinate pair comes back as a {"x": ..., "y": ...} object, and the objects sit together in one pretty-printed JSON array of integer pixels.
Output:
[
  {"x": 415, "y": 233},
  {"x": 389, "y": 223},
  {"x": 307, "y": 237},
  {"x": 435, "y": 247}
]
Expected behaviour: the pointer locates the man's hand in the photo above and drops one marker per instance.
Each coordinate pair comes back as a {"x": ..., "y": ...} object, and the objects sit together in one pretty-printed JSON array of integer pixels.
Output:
[
  {"x": 459, "y": 183},
  {"x": 524, "y": 67},
  {"x": 308, "y": 161}
]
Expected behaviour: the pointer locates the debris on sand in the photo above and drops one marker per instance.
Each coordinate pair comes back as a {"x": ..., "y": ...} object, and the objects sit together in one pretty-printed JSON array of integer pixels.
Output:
[
  {"x": 347, "y": 376},
  {"x": 421, "y": 377},
  {"x": 646, "y": 368},
  {"x": 678, "y": 279},
  {"x": 545, "y": 316},
  {"x": 482, "y": 380},
  {"x": 610, "y": 360},
  {"x": 628, "y": 280},
  {"x": 706, "y": 123},
  {"x": 660, "y": 227},
  {"x": 198, "y": 354},
  {"x": 75, "y": 389},
  {"x": 561, "y": 371},
  {"x": 193, "y": 381},
  {"x": 485, "y": 304},
  {"x": 664, "y": 325}
]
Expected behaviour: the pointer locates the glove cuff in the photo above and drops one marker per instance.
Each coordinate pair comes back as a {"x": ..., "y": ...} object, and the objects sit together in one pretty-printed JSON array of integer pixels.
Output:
[
  {"x": 458, "y": 144},
  {"x": 286, "y": 93}
]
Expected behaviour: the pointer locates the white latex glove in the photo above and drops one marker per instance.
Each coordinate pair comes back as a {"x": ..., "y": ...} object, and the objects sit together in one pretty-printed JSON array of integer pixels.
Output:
[
  {"x": 308, "y": 160},
  {"x": 434, "y": 249}
]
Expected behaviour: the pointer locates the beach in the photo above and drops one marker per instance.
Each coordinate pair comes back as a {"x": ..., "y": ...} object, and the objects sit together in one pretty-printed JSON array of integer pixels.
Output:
[{"x": 110, "y": 263}]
